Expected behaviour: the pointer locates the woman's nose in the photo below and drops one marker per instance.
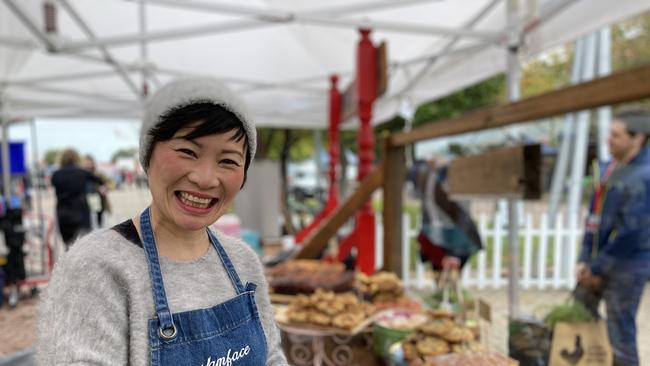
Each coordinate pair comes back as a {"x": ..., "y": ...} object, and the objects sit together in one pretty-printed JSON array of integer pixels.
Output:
[{"x": 204, "y": 175}]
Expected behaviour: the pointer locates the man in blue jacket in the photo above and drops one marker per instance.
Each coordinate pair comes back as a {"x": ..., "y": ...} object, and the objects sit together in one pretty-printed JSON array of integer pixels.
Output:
[{"x": 614, "y": 263}]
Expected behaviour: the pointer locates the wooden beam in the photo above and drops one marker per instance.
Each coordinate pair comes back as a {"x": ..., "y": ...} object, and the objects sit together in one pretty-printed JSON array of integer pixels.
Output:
[
  {"x": 513, "y": 172},
  {"x": 394, "y": 163},
  {"x": 621, "y": 87},
  {"x": 317, "y": 240},
  {"x": 382, "y": 69}
]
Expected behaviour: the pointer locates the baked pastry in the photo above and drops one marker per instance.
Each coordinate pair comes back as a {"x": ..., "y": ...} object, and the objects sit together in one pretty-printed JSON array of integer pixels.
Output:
[
  {"x": 466, "y": 347},
  {"x": 441, "y": 313},
  {"x": 325, "y": 308},
  {"x": 437, "y": 327},
  {"x": 319, "y": 318},
  {"x": 430, "y": 346},
  {"x": 298, "y": 316},
  {"x": 458, "y": 334},
  {"x": 347, "y": 320}
]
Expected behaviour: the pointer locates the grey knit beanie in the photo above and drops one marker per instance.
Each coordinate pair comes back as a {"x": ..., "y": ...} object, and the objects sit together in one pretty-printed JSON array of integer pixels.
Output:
[{"x": 184, "y": 92}]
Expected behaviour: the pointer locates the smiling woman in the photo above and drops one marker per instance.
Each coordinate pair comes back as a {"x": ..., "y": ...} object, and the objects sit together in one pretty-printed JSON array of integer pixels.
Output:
[{"x": 162, "y": 288}]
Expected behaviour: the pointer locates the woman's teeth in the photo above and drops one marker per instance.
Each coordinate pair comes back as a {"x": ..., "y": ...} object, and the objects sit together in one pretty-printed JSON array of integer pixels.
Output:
[{"x": 194, "y": 201}]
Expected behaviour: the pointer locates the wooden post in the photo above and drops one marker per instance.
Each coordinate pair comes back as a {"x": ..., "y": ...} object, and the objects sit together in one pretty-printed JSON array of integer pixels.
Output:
[{"x": 394, "y": 175}]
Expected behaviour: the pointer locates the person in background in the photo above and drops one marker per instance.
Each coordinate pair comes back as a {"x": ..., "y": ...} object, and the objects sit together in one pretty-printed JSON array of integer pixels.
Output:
[
  {"x": 70, "y": 183},
  {"x": 96, "y": 193},
  {"x": 448, "y": 237},
  {"x": 12, "y": 255},
  {"x": 614, "y": 263},
  {"x": 163, "y": 288}
]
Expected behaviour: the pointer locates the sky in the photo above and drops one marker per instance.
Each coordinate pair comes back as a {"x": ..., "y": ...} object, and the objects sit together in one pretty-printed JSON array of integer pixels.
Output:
[{"x": 98, "y": 137}]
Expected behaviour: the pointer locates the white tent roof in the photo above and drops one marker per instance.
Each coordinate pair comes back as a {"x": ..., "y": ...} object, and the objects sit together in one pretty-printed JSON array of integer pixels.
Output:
[{"x": 277, "y": 53}]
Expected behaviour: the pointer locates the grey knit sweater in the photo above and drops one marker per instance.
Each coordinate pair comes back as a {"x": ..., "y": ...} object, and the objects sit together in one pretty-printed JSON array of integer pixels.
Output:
[{"x": 96, "y": 307}]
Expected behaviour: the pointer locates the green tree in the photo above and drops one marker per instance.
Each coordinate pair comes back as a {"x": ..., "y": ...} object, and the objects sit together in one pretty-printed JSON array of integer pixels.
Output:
[
  {"x": 630, "y": 48},
  {"x": 483, "y": 94},
  {"x": 271, "y": 144},
  {"x": 631, "y": 43},
  {"x": 548, "y": 73},
  {"x": 51, "y": 156},
  {"x": 129, "y": 152}
]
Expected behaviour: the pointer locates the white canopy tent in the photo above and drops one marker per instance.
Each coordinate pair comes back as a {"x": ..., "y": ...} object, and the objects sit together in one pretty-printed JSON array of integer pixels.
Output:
[
  {"x": 93, "y": 59},
  {"x": 277, "y": 53}
]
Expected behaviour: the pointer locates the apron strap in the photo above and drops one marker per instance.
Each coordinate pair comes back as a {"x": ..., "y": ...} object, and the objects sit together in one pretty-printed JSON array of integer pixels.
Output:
[
  {"x": 167, "y": 327},
  {"x": 227, "y": 264},
  {"x": 163, "y": 312}
]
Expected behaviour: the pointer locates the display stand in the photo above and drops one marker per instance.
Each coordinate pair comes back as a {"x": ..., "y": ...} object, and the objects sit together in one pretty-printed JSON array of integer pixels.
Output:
[{"x": 311, "y": 346}]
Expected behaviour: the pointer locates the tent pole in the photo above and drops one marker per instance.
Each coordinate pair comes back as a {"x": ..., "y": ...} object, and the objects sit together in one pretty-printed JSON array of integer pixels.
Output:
[
  {"x": 104, "y": 98},
  {"x": 6, "y": 173},
  {"x": 407, "y": 112},
  {"x": 604, "y": 69},
  {"x": 19, "y": 43},
  {"x": 142, "y": 15},
  {"x": 330, "y": 11},
  {"x": 513, "y": 76},
  {"x": 190, "y": 31},
  {"x": 38, "y": 198},
  {"x": 579, "y": 156},
  {"x": 558, "y": 183},
  {"x": 60, "y": 77}
]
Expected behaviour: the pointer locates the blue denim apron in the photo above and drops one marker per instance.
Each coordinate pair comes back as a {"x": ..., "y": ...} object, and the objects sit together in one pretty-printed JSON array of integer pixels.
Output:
[{"x": 227, "y": 334}]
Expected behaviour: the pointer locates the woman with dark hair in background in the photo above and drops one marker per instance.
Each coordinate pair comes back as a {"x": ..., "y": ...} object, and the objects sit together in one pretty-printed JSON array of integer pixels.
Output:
[{"x": 70, "y": 183}]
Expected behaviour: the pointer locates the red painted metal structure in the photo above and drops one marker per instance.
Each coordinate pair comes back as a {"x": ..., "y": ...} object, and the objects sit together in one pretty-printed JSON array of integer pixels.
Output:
[
  {"x": 333, "y": 193},
  {"x": 363, "y": 236}
]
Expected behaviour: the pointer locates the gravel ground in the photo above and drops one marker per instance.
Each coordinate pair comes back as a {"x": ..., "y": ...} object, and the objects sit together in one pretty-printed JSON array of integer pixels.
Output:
[{"x": 17, "y": 327}]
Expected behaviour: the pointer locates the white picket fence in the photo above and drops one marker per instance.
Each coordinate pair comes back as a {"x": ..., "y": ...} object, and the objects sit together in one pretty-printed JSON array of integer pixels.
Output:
[{"x": 547, "y": 256}]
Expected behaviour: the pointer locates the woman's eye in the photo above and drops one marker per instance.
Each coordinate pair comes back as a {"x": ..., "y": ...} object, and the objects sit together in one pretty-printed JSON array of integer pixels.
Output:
[
  {"x": 187, "y": 152},
  {"x": 230, "y": 162}
]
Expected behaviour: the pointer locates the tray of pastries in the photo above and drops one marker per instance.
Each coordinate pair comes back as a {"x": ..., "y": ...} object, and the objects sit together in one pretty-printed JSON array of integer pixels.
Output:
[
  {"x": 327, "y": 311},
  {"x": 441, "y": 334},
  {"x": 384, "y": 290}
]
